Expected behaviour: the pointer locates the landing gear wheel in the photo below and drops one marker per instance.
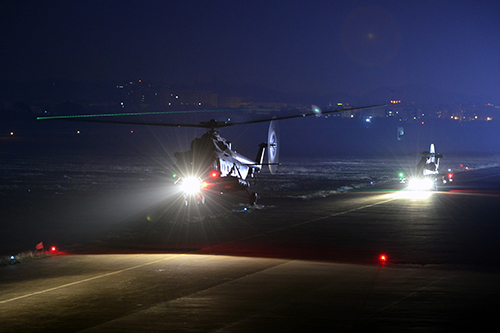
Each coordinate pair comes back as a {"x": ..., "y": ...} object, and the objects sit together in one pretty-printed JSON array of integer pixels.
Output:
[{"x": 253, "y": 198}]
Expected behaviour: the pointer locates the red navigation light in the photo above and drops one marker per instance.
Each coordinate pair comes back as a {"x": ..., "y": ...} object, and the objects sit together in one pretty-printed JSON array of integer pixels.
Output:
[
  {"x": 53, "y": 248},
  {"x": 450, "y": 175},
  {"x": 214, "y": 174},
  {"x": 383, "y": 258}
]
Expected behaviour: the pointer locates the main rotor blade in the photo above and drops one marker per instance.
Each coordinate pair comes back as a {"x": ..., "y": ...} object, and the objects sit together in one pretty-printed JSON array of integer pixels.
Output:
[
  {"x": 130, "y": 122},
  {"x": 301, "y": 115},
  {"x": 91, "y": 118},
  {"x": 129, "y": 114},
  {"x": 212, "y": 124}
]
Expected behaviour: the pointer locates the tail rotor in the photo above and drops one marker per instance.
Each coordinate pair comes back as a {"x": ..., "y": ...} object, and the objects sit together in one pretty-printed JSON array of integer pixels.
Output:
[{"x": 273, "y": 146}]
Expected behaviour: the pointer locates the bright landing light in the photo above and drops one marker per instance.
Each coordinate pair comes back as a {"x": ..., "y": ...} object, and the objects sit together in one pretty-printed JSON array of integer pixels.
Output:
[
  {"x": 420, "y": 184},
  {"x": 418, "y": 188},
  {"x": 191, "y": 185}
]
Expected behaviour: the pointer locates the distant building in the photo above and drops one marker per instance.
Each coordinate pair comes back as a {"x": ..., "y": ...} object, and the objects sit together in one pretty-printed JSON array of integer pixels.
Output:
[
  {"x": 191, "y": 99},
  {"x": 234, "y": 102}
]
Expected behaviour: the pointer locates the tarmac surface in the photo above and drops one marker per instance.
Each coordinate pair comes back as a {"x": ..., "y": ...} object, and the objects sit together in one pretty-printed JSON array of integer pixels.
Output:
[{"x": 288, "y": 264}]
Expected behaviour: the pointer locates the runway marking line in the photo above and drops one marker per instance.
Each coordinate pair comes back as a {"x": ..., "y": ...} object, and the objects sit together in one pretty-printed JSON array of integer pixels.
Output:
[
  {"x": 88, "y": 279},
  {"x": 405, "y": 298},
  {"x": 305, "y": 222},
  {"x": 337, "y": 214},
  {"x": 156, "y": 261}
]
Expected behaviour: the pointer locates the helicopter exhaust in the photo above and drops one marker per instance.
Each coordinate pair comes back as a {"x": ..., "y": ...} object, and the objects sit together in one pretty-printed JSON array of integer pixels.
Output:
[{"x": 260, "y": 155}]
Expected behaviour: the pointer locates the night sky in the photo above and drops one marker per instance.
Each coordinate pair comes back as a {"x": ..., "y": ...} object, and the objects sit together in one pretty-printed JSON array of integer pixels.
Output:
[{"x": 321, "y": 47}]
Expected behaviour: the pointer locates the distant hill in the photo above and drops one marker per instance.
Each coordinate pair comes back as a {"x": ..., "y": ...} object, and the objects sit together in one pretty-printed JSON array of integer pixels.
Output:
[
  {"x": 421, "y": 94},
  {"x": 58, "y": 91}
]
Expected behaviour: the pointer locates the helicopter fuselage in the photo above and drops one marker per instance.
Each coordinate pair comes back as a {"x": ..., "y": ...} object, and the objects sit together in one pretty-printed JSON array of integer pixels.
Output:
[{"x": 215, "y": 166}]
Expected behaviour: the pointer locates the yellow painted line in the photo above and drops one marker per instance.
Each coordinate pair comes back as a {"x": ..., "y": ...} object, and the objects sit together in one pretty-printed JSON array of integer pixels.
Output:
[{"x": 87, "y": 280}]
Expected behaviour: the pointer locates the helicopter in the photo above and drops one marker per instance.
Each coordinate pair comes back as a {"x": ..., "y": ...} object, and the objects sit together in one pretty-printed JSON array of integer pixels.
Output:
[
  {"x": 211, "y": 165},
  {"x": 427, "y": 171}
]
